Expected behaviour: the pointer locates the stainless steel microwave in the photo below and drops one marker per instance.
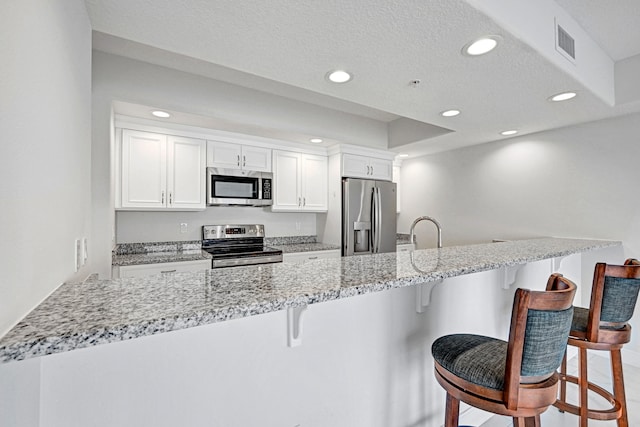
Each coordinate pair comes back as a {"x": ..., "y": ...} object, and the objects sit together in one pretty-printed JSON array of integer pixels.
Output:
[{"x": 238, "y": 187}]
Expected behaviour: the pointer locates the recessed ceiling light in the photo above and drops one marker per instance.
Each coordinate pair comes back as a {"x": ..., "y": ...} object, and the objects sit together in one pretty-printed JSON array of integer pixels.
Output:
[
  {"x": 338, "y": 76},
  {"x": 403, "y": 155},
  {"x": 316, "y": 140},
  {"x": 508, "y": 132},
  {"x": 562, "y": 96},
  {"x": 161, "y": 114},
  {"x": 481, "y": 46},
  {"x": 450, "y": 113}
]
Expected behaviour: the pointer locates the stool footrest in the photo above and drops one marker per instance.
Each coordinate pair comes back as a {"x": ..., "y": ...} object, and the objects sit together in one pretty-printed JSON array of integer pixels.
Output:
[{"x": 614, "y": 413}]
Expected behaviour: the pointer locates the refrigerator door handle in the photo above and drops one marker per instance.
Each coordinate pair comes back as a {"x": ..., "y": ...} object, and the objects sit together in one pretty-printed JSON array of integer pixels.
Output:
[
  {"x": 374, "y": 220},
  {"x": 379, "y": 220}
]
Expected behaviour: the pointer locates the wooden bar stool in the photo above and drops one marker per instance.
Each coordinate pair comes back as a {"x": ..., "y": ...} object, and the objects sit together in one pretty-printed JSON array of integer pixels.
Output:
[
  {"x": 603, "y": 327},
  {"x": 517, "y": 378}
]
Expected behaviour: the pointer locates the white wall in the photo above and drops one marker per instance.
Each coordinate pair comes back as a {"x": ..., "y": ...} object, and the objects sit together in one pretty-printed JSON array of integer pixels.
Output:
[
  {"x": 45, "y": 167},
  {"x": 134, "y": 227},
  {"x": 579, "y": 181},
  {"x": 117, "y": 78}
]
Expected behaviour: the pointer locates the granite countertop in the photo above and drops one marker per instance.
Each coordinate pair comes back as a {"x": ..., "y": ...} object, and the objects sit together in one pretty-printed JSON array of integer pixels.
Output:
[
  {"x": 306, "y": 247},
  {"x": 79, "y": 315}
]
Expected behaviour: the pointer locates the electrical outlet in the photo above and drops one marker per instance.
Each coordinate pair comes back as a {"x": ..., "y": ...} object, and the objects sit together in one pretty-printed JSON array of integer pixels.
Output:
[
  {"x": 184, "y": 227},
  {"x": 85, "y": 251},
  {"x": 77, "y": 254}
]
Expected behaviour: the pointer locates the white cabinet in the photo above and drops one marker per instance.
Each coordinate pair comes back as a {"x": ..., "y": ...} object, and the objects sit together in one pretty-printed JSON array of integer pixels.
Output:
[
  {"x": 357, "y": 166},
  {"x": 228, "y": 155},
  {"x": 161, "y": 172},
  {"x": 307, "y": 256},
  {"x": 396, "y": 178},
  {"x": 160, "y": 268},
  {"x": 405, "y": 247},
  {"x": 299, "y": 182}
]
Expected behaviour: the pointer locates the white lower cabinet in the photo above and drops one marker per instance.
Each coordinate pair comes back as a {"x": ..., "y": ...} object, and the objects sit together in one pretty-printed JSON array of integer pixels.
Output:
[
  {"x": 306, "y": 256},
  {"x": 299, "y": 182},
  {"x": 405, "y": 247},
  {"x": 160, "y": 268}
]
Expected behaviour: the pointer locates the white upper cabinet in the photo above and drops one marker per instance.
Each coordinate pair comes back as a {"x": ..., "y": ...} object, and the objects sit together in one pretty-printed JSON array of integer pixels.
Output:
[
  {"x": 161, "y": 172},
  {"x": 357, "y": 166},
  {"x": 229, "y": 155},
  {"x": 299, "y": 182}
]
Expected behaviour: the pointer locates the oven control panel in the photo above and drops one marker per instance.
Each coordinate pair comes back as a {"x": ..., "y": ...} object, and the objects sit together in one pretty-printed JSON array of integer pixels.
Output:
[{"x": 227, "y": 231}]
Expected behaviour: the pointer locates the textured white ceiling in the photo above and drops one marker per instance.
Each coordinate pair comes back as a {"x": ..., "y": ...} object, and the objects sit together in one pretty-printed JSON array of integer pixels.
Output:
[{"x": 287, "y": 47}]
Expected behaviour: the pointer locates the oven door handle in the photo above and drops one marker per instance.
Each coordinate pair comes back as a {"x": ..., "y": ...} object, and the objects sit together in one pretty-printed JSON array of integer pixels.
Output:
[{"x": 233, "y": 262}]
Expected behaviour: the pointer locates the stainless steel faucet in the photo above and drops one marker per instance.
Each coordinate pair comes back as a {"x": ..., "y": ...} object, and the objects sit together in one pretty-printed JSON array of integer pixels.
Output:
[{"x": 426, "y": 218}]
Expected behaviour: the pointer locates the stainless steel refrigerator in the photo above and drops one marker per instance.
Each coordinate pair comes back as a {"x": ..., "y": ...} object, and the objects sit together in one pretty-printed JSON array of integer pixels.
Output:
[{"x": 368, "y": 216}]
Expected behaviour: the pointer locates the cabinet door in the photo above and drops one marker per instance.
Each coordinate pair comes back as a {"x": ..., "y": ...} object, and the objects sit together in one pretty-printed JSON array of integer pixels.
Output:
[
  {"x": 286, "y": 181},
  {"x": 185, "y": 173},
  {"x": 355, "y": 166},
  {"x": 314, "y": 183},
  {"x": 381, "y": 169},
  {"x": 256, "y": 158},
  {"x": 224, "y": 155},
  {"x": 144, "y": 168}
]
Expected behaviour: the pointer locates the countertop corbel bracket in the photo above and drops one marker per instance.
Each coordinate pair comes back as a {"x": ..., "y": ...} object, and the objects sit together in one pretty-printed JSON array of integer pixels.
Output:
[
  {"x": 423, "y": 294},
  {"x": 555, "y": 263},
  {"x": 294, "y": 325},
  {"x": 509, "y": 274}
]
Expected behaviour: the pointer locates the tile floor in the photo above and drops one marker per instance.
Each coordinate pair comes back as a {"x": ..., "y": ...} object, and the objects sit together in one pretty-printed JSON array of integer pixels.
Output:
[{"x": 599, "y": 373}]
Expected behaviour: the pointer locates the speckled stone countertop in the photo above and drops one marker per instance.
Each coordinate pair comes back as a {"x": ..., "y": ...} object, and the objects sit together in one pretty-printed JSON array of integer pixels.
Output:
[
  {"x": 79, "y": 315},
  {"x": 306, "y": 247}
]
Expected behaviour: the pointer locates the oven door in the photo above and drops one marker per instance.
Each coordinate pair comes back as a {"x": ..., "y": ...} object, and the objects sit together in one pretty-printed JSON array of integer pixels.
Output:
[{"x": 234, "y": 187}]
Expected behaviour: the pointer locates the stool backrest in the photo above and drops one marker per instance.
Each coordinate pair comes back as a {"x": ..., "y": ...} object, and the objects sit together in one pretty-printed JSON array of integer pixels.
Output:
[
  {"x": 614, "y": 295},
  {"x": 540, "y": 325}
]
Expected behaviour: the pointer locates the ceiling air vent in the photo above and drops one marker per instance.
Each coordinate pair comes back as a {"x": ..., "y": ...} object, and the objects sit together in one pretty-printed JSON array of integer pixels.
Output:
[{"x": 565, "y": 44}]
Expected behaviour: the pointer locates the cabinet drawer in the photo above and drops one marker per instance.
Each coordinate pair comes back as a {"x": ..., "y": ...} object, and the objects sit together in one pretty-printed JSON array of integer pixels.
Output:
[
  {"x": 309, "y": 256},
  {"x": 160, "y": 268}
]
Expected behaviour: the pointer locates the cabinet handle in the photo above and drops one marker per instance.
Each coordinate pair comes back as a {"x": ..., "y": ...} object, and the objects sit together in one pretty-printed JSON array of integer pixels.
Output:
[
  {"x": 304, "y": 201},
  {"x": 168, "y": 271},
  {"x": 244, "y": 161},
  {"x": 299, "y": 201},
  {"x": 162, "y": 197},
  {"x": 371, "y": 170},
  {"x": 238, "y": 159},
  {"x": 368, "y": 170},
  {"x": 170, "y": 198},
  {"x": 313, "y": 257}
]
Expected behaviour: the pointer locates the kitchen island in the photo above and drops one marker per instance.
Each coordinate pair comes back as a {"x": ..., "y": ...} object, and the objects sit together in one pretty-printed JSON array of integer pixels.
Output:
[{"x": 224, "y": 337}]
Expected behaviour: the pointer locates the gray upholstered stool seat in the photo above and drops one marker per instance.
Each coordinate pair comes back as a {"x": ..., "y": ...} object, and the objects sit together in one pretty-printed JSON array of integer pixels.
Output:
[{"x": 475, "y": 358}]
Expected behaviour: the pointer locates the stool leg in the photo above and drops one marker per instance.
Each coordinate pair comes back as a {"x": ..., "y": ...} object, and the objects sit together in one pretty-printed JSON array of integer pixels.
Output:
[
  {"x": 452, "y": 412},
  {"x": 563, "y": 384},
  {"x": 618, "y": 385},
  {"x": 583, "y": 384},
  {"x": 527, "y": 422}
]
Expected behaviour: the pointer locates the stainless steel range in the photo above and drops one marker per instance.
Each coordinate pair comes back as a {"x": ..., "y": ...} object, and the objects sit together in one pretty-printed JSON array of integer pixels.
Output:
[{"x": 233, "y": 245}]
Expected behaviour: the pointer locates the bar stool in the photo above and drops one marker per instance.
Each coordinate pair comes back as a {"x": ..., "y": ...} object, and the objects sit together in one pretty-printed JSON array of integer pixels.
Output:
[
  {"x": 603, "y": 326},
  {"x": 517, "y": 378}
]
